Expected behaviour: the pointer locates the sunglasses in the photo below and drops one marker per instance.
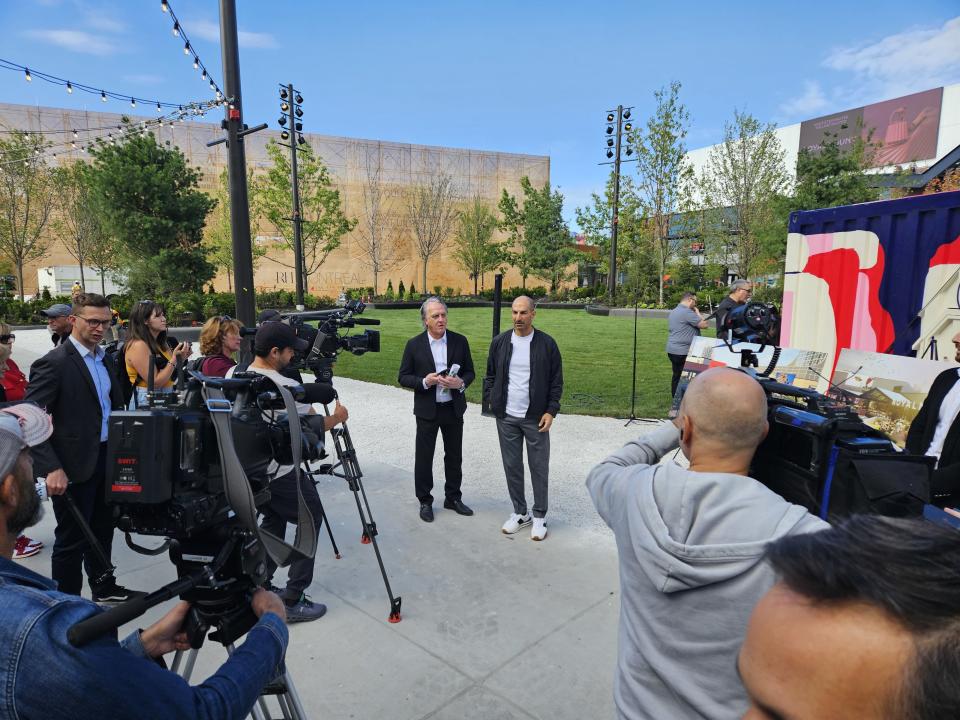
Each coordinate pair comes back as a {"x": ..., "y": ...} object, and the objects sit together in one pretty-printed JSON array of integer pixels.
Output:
[{"x": 5, "y": 339}]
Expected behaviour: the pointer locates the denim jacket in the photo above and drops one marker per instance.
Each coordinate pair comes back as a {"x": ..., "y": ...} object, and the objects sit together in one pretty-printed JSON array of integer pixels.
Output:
[{"x": 42, "y": 676}]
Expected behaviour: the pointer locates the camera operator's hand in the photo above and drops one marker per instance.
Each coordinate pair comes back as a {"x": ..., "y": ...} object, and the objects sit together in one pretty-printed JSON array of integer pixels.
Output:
[
  {"x": 264, "y": 601},
  {"x": 167, "y": 634},
  {"x": 57, "y": 482},
  {"x": 339, "y": 415}
]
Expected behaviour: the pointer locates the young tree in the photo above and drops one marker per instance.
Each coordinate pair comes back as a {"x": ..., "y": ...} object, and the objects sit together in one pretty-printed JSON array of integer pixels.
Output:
[
  {"x": 663, "y": 173},
  {"x": 540, "y": 238},
  {"x": 738, "y": 190},
  {"x": 833, "y": 175},
  {"x": 476, "y": 252},
  {"x": 218, "y": 236},
  {"x": 150, "y": 202},
  {"x": 323, "y": 222},
  {"x": 27, "y": 199},
  {"x": 596, "y": 222},
  {"x": 432, "y": 214},
  {"x": 378, "y": 241},
  {"x": 78, "y": 222}
]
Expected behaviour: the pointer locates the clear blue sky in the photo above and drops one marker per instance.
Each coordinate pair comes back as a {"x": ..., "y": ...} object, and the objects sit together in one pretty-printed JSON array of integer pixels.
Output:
[{"x": 529, "y": 77}]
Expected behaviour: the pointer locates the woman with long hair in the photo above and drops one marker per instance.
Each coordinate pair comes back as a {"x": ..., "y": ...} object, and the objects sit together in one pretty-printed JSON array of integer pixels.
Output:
[
  {"x": 13, "y": 386},
  {"x": 146, "y": 338},
  {"x": 219, "y": 339}
]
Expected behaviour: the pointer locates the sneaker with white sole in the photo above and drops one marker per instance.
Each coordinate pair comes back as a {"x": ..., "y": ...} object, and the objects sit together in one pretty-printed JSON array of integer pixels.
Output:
[
  {"x": 514, "y": 523},
  {"x": 539, "y": 529},
  {"x": 25, "y": 547}
]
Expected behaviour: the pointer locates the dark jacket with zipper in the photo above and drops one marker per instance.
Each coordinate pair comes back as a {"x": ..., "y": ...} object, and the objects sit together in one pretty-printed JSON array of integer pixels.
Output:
[{"x": 546, "y": 375}]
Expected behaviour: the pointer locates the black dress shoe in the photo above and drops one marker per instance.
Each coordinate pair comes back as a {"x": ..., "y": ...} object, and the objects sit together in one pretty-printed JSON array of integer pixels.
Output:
[
  {"x": 426, "y": 512},
  {"x": 458, "y": 507}
]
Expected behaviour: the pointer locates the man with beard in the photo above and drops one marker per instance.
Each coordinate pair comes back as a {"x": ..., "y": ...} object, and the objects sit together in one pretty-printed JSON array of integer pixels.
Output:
[{"x": 44, "y": 676}]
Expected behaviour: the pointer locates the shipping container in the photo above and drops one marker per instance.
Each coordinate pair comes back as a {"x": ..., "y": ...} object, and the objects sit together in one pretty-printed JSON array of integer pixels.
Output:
[{"x": 881, "y": 276}]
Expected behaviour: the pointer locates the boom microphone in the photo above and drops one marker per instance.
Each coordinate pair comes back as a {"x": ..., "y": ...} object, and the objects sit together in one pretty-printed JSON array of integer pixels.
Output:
[
  {"x": 314, "y": 393},
  {"x": 364, "y": 321}
]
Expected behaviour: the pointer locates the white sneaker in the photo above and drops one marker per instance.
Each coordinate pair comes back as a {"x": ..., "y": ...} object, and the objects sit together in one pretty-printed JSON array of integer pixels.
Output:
[
  {"x": 514, "y": 523},
  {"x": 539, "y": 530}
]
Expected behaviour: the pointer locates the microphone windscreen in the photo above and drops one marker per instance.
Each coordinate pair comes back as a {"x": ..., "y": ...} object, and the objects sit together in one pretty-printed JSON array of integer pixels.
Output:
[{"x": 318, "y": 393}]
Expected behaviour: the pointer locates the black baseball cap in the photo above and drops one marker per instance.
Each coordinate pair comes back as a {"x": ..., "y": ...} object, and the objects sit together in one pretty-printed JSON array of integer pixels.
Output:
[
  {"x": 268, "y": 314},
  {"x": 274, "y": 334}
]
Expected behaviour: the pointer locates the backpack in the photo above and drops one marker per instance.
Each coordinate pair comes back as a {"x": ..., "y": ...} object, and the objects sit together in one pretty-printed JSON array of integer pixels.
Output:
[{"x": 123, "y": 378}]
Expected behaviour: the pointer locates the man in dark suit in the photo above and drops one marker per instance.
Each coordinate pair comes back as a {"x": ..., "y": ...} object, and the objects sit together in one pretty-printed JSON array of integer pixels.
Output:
[
  {"x": 438, "y": 403},
  {"x": 77, "y": 384},
  {"x": 936, "y": 432}
]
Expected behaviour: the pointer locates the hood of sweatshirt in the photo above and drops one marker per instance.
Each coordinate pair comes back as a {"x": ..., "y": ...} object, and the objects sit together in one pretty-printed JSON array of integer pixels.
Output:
[{"x": 697, "y": 529}]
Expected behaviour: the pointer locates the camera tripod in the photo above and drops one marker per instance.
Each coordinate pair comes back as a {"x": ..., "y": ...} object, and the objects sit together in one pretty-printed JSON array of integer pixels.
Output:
[
  {"x": 348, "y": 468},
  {"x": 233, "y": 619}
]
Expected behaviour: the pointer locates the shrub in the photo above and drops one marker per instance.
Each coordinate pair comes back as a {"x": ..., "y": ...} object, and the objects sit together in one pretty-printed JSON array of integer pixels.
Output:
[
  {"x": 389, "y": 295},
  {"x": 400, "y": 291}
]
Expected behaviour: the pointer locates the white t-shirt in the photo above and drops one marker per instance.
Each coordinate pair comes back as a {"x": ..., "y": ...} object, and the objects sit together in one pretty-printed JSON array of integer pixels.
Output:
[
  {"x": 275, "y": 469},
  {"x": 518, "y": 388},
  {"x": 949, "y": 409}
]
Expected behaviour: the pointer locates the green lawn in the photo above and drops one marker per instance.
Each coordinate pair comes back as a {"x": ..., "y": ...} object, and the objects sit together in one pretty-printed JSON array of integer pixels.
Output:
[{"x": 596, "y": 356}]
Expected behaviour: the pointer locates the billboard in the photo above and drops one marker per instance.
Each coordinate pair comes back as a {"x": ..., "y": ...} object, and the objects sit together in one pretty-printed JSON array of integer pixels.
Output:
[{"x": 905, "y": 129}]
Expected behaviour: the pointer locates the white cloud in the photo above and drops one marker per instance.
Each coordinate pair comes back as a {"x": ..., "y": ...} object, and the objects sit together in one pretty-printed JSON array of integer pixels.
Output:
[
  {"x": 99, "y": 21},
  {"x": 207, "y": 30},
  {"x": 808, "y": 104},
  {"x": 76, "y": 40},
  {"x": 910, "y": 61}
]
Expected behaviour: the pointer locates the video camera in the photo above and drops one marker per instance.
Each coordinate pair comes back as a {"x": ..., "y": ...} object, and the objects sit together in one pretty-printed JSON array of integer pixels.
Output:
[
  {"x": 327, "y": 340},
  {"x": 819, "y": 453}
]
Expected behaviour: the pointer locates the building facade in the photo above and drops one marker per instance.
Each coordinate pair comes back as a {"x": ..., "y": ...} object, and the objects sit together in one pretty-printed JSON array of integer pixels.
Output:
[{"x": 352, "y": 163}]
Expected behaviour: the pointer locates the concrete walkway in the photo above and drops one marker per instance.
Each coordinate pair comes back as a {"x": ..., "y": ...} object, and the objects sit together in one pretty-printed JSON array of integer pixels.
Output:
[{"x": 494, "y": 626}]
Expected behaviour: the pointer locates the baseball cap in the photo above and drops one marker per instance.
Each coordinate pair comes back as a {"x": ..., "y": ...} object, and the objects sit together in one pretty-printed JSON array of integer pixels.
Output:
[
  {"x": 22, "y": 425},
  {"x": 268, "y": 314},
  {"x": 58, "y": 310},
  {"x": 273, "y": 334}
]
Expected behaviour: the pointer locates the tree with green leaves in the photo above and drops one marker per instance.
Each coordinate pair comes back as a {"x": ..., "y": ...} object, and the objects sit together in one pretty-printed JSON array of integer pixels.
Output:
[
  {"x": 540, "y": 242},
  {"x": 218, "y": 234},
  {"x": 323, "y": 221},
  {"x": 663, "y": 172},
  {"x": 27, "y": 200},
  {"x": 739, "y": 187},
  {"x": 596, "y": 223},
  {"x": 476, "y": 251},
  {"x": 432, "y": 215},
  {"x": 834, "y": 175},
  {"x": 149, "y": 200},
  {"x": 78, "y": 221}
]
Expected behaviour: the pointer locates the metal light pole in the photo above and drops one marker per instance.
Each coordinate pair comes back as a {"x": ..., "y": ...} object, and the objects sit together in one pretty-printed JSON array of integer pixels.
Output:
[
  {"x": 290, "y": 107},
  {"x": 613, "y": 151},
  {"x": 237, "y": 167}
]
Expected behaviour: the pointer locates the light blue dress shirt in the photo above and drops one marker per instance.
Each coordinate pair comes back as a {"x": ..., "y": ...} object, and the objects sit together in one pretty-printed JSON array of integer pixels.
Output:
[{"x": 93, "y": 359}]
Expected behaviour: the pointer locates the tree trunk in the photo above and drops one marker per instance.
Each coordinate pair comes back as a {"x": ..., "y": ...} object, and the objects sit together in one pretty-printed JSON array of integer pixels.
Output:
[
  {"x": 103, "y": 283},
  {"x": 475, "y": 283},
  {"x": 425, "y": 275},
  {"x": 229, "y": 280},
  {"x": 375, "y": 274},
  {"x": 83, "y": 282},
  {"x": 20, "y": 278}
]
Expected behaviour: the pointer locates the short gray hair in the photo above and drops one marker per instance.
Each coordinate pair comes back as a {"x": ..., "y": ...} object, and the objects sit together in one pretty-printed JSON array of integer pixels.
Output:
[
  {"x": 740, "y": 285},
  {"x": 423, "y": 307}
]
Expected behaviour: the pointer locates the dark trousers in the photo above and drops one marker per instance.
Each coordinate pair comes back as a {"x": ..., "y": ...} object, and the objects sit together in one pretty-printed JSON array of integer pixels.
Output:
[
  {"x": 282, "y": 509},
  {"x": 514, "y": 433},
  {"x": 450, "y": 426},
  {"x": 677, "y": 362},
  {"x": 70, "y": 546}
]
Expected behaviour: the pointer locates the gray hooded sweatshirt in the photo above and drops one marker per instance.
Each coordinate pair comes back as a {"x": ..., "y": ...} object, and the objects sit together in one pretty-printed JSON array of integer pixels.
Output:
[{"x": 691, "y": 546}]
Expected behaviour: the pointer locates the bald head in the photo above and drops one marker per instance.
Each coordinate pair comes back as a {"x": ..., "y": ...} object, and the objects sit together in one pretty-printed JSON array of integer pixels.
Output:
[{"x": 728, "y": 408}]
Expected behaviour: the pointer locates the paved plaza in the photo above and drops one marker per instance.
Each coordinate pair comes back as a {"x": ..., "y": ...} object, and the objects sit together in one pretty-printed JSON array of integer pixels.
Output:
[{"x": 494, "y": 626}]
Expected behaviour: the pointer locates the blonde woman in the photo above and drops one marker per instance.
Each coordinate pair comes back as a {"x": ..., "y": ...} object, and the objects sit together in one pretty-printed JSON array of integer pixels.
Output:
[{"x": 219, "y": 340}]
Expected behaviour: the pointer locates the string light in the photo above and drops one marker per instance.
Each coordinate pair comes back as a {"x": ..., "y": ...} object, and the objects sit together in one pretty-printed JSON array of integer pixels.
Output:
[
  {"x": 26, "y": 72},
  {"x": 189, "y": 50},
  {"x": 69, "y": 87},
  {"x": 133, "y": 103},
  {"x": 103, "y": 96}
]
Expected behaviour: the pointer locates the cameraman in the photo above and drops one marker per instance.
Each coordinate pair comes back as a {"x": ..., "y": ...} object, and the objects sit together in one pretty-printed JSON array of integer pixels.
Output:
[
  {"x": 691, "y": 546},
  {"x": 274, "y": 347},
  {"x": 46, "y": 677}
]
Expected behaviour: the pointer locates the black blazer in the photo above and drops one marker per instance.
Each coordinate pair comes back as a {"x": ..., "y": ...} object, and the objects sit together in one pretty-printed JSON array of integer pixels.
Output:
[
  {"x": 417, "y": 363},
  {"x": 61, "y": 383},
  {"x": 946, "y": 478}
]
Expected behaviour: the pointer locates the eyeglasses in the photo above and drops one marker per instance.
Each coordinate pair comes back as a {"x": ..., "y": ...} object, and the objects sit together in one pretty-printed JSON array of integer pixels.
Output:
[
  {"x": 94, "y": 323},
  {"x": 7, "y": 339},
  {"x": 223, "y": 318}
]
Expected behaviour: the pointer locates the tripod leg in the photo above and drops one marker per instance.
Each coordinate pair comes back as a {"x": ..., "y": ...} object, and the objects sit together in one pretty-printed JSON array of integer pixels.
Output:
[
  {"x": 326, "y": 521},
  {"x": 191, "y": 659},
  {"x": 293, "y": 699},
  {"x": 92, "y": 541}
]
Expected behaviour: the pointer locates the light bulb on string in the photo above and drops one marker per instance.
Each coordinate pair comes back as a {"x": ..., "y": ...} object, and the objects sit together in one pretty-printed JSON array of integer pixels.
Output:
[
  {"x": 69, "y": 87},
  {"x": 163, "y": 6},
  {"x": 75, "y": 136},
  {"x": 103, "y": 96},
  {"x": 133, "y": 103},
  {"x": 27, "y": 75},
  {"x": 196, "y": 62},
  {"x": 203, "y": 75},
  {"x": 176, "y": 29},
  {"x": 186, "y": 49},
  {"x": 158, "y": 107}
]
